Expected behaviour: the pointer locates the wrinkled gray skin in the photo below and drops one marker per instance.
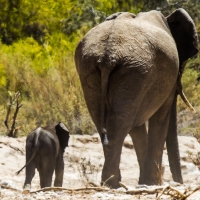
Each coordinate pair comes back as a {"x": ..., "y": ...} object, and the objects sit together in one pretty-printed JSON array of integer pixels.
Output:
[
  {"x": 128, "y": 67},
  {"x": 44, "y": 150}
]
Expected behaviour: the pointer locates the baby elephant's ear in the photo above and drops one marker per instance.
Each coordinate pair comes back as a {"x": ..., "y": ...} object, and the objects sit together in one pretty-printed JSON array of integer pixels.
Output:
[
  {"x": 184, "y": 33},
  {"x": 63, "y": 134}
]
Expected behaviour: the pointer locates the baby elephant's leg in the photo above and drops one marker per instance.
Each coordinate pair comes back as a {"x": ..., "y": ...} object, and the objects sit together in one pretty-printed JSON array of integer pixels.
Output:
[
  {"x": 46, "y": 168},
  {"x": 30, "y": 172},
  {"x": 59, "y": 170}
]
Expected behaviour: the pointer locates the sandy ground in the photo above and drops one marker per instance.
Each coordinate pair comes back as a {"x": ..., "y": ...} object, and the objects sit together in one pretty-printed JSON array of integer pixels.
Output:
[{"x": 83, "y": 164}]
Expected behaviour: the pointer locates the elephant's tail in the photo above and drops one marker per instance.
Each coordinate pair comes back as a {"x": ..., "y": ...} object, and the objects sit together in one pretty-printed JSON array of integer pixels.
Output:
[
  {"x": 35, "y": 149},
  {"x": 104, "y": 88}
]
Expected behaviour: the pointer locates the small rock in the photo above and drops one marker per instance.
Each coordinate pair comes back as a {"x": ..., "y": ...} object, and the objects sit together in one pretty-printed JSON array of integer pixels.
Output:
[
  {"x": 40, "y": 197},
  {"x": 174, "y": 184},
  {"x": 8, "y": 183},
  {"x": 121, "y": 189}
]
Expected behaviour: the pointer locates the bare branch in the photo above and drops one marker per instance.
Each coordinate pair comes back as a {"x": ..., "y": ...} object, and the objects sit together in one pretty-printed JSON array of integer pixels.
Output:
[
  {"x": 15, "y": 148},
  {"x": 122, "y": 185},
  {"x": 71, "y": 190},
  {"x": 11, "y": 188},
  {"x": 8, "y": 114},
  {"x": 176, "y": 193},
  {"x": 18, "y": 106},
  {"x": 191, "y": 192},
  {"x": 13, "y": 100},
  {"x": 144, "y": 190}
]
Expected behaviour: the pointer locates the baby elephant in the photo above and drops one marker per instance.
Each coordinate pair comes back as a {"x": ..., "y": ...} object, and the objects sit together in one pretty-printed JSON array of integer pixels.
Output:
[{"x": 44, "y": 150}]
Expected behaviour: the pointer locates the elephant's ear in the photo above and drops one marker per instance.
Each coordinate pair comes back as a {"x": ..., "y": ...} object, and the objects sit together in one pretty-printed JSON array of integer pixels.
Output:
[
  {"x": 184, "y": 32},
  {"x": 63, "y": 134}
]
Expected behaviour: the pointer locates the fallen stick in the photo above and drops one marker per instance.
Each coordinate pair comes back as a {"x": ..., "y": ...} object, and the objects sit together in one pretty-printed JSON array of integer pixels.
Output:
[
  {"x": 122, "y": 185},
  {"x": 15, "y": 148},
  {"x": 191, "y": 192},
  {"x": 93, "y": 184},
  {"x": 164, "y": 189},
  {"x": 177, "y": 193},
  {"x": 148, "y": 191},
  {"x": 168, "y": 190},
  {"x": 70, "y": 190},
  {"x": 11, "y": 188}
]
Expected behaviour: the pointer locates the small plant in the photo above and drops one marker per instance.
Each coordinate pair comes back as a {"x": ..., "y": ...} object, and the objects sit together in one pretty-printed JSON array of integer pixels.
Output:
[
  {"x": 197, "y": 134},
  {"x": 88, "y": 171},
  {"x": 196, "y": 157},
  {"x": 104, "y": 183}
]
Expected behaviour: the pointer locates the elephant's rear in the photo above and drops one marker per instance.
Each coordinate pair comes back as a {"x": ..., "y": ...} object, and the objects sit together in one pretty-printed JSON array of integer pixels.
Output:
[
  {"x": 43, "y": 140},
  {"x": 129, "y": 49},
  {"x": 137, "y": 57},
  {"x": 87, "y": 55},
  {"x": 125, "y": 42}
]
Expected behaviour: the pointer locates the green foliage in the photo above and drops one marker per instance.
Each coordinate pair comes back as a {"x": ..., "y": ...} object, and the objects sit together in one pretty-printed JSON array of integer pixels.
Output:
[
  {"x": 191, "y": 87},
  {"x": 47, "y": 79},
  {"x": 23, "y": 18},
  {"x": 37, "y": 57},
  {"x": 2, "y": 76},
  {"x": 191, "y": 6}
]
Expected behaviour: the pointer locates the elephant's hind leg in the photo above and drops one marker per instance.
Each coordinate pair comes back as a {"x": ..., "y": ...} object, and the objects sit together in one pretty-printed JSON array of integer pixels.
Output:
[
  {"x": 158, "y": 127},
  {"x": 59, "y": 170},
  {"x": 112, "y": 152},
  {"x": 30, "y": 172},
  {"x": 111, "y": 173},
  {"x": 46, "y": 168},
  {"x": 139, "y": 138}
]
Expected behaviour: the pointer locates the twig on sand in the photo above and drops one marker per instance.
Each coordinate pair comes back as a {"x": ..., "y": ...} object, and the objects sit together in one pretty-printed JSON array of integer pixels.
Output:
[
  {"x": 172, "y": 192},
  {"x": 168, "y": 190},
  {"x": 93, "y": 184},
  {"x": 176, "y": 193},
  {"x": 105, "y": 182},
  {"x": 15, "y": 148},
  {"x": 123, "y": 185},
  {"x": 164, "y": 189},
  {"x": 191, "y": 192},
  {"x": 11, "y": 188},
  {"x": 71, "y": 190},
  {"x": 144, "y": 190}
]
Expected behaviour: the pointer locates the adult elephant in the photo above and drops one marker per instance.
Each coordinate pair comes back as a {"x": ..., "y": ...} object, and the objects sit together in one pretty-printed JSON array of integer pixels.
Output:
[{"x": 130, "y": 68}]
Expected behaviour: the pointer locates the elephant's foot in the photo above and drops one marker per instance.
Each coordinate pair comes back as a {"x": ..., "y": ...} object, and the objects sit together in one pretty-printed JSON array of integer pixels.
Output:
[
  {"x": 111, "y": 181},
  {"x": 57, "y": 184},
  {"x": 27, "y": 189},
  {"x": 152, "y": 177},
  {"x": 149, "y": 181},
  {"x": 111, "y": 173}
]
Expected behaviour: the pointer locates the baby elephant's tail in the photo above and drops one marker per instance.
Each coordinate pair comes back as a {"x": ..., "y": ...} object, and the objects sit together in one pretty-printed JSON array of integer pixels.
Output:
[
  {"x": 33, "y": 155},
  {"x": 35, "y": 149}
]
